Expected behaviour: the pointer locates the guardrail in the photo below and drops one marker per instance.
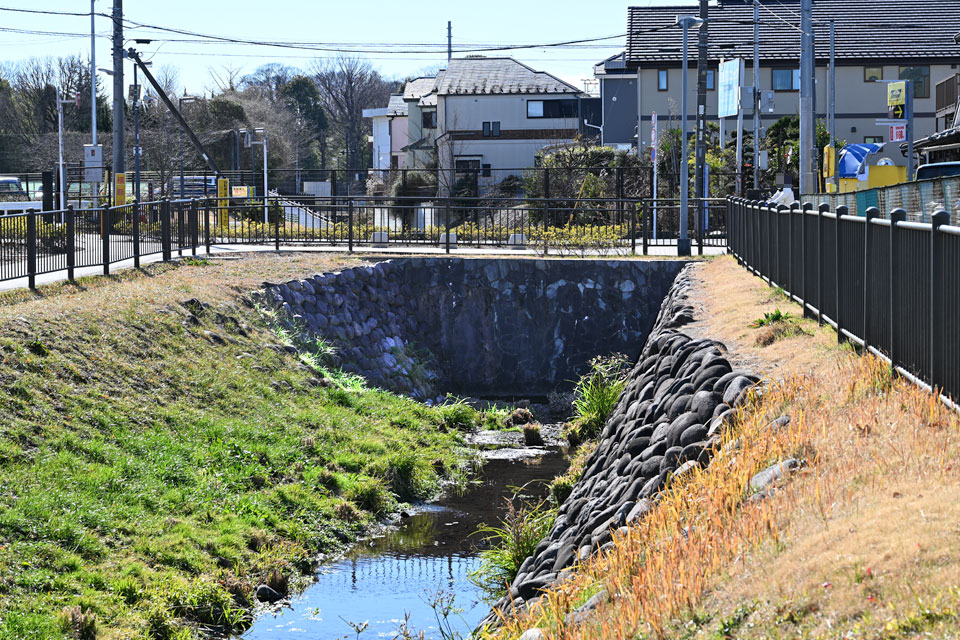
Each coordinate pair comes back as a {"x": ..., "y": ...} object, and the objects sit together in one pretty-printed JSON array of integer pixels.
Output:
[
  {"x": 890, "y": 285},
  {"x": 34, "y": 242}
]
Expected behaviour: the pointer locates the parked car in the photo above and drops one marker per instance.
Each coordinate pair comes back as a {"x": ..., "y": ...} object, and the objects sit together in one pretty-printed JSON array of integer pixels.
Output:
[
  {"x": 11, "y": 189},
  {"x": 938, "y": 170}
]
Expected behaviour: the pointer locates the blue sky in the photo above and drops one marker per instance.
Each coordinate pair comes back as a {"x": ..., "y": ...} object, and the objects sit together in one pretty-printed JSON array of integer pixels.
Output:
[{"x": 484, "y": 23}]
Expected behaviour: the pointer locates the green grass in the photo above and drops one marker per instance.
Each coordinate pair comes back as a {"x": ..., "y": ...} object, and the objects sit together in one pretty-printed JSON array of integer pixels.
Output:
[
  {"x": 595, "y": 396},
  {"x": 151, "y": 477},
  {"x": 771, "y": 317}
]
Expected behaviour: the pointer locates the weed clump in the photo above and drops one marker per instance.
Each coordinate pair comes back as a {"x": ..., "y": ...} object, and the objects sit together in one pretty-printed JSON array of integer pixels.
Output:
[
  {"x": 776, "y": 325},
  {"x": 531, "y": 435},
  {"x": 595, "y": 396},
  {"x": 519, "y": 532}
]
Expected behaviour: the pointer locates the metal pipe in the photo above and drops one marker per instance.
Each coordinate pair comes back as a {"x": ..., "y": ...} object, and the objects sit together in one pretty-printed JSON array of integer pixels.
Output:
[{"x": 833, "y": 105}]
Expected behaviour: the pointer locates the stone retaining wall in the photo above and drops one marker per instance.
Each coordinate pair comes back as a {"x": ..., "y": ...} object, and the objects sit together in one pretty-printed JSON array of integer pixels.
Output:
[
  {"x": 679, "y": 395},
  {"x": 489, "y": 326}
]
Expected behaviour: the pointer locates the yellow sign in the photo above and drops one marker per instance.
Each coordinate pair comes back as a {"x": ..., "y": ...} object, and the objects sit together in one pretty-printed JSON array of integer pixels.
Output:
[
  {"x": 897, "y": 112},
  {"x": 896, "y": 93},
  {"x": 829, "y": 153},
  {"x": 119, "y": 189},
  {"x": 223, "y": 192}
]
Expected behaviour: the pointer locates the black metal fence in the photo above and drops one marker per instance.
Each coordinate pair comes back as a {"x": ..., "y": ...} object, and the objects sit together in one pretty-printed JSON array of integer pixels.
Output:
[
  {"x": 889, "y": 285},
  {"x": 35, "y": 242}
]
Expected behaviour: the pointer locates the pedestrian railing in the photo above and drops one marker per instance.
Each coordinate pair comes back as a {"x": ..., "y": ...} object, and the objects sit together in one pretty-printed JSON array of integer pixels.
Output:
[
  {"x": 919, "y": 199},
  {"x": 34, "y": 243},
  {"x": 889, "y": 285}
]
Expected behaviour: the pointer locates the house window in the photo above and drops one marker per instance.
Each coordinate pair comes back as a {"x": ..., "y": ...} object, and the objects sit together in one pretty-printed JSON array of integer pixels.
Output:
[
  {"x": 872, "y": 74},
  {"x": 566, "y": 108},
  {"x": 921, "y": 80},
  {"x": 429, "y": 119},
  {"x": 491, "y": 129},
  {"x": 485, "y": 170},
  {"x": 873, "y": 139},
  {"x": 662, "y": 80},
  {"x": 786, "y": 79},
  {"x": 711, "y": 80}
]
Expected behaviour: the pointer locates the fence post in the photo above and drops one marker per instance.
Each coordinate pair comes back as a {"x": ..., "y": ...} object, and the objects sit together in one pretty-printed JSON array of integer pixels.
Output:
[
  {"x": 277, "y": 223},
  {"x": 633, "y": 228},
  {"x": 165, "y": 230},
  {"x": 194, "y": 227},
  {"x": 546, "y": 183},
  {"x": 778, "y": 213},
  {"x": 135, "y": 220},
  {"x": 940, "y": 217},
  {"x": 206, "y": 224},
  {"x": 841, "y": 211},
  {"x": 446, "y": 215},
  {"x": 807, "y": 207},
  {"x": 698, "y": 208},
  {"x": 646, "y": 225},
  {"x": 105, "y": 225},
  {"x": 870, "y": 214},
  {"x": 897, "y": 215},
  {"x": 71, "y": 242},
  {"x": 822, "y": 209},
  {"x": 32, "y": 248},
  {"x": 350, "y": 225}
]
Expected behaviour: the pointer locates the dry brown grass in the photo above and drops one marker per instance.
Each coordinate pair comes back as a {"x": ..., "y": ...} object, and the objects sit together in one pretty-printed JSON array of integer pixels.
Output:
[
  {"x": 861, "y": 543},
  {"x": 159, "y": 284}
]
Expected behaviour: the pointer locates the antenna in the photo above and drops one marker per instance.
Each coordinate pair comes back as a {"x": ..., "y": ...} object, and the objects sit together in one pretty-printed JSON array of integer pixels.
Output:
[{"x": 449, "y": 39}]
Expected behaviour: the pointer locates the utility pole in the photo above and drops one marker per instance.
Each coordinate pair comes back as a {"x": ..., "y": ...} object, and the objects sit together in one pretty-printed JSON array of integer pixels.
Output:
[
  {"x": 449, "y": 39},
  {"x": 136, "y": 135},
  {"x": 118, "y": 104},
  {"x": 756, "y": 95},
  {"x": 808, "y": 117},
  {"x": 93, "y": 76},
  {"x": 701, "y": 148}
]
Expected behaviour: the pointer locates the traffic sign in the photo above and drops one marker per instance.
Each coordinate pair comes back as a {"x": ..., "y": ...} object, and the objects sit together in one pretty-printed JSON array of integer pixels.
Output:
[
  {"x": 897, "y": 112},
  {"x": 898, "y": 133}
]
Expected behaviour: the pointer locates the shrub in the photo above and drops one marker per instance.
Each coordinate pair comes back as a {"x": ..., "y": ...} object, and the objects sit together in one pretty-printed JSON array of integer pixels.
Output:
[{"x": 369, "y": 494}]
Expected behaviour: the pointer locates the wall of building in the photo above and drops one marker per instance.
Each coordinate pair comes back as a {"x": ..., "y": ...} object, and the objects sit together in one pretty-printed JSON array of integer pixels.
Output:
[
  {"x": 381, "y": 142},
  {"x": 858, "y": 103},
  {"x": 399, "y": 139}
]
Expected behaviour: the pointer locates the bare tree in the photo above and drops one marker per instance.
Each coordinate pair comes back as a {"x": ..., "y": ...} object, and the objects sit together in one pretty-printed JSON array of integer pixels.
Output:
[{"x": 348, "y": 85}]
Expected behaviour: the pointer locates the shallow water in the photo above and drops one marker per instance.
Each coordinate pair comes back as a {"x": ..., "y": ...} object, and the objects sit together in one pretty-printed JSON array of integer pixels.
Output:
[{"x": 397, "y": 574}]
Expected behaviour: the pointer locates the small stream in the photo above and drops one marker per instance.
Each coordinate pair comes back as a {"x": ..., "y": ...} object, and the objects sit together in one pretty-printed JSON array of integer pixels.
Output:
[{"x": 384, "y": 579}]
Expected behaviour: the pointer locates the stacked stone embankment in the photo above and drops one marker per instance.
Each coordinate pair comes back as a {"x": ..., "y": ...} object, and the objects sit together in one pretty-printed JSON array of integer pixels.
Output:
[
  {"x": 679, "y": 396},
  {"x": 477, "y": 326}
]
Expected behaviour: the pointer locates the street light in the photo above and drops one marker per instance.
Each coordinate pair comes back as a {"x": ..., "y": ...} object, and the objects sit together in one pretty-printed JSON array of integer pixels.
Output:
[
  {"x": 137, "y": 149},
  {"x": 683, "y": 242},
  {"x": 181, "y": 102},
  {"x": 63, "y": 178}
]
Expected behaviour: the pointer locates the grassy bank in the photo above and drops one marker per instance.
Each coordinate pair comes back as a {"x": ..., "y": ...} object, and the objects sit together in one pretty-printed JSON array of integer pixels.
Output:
[
  {"x": 160, "y": 458},
  {"x": 860, "y": 542}
]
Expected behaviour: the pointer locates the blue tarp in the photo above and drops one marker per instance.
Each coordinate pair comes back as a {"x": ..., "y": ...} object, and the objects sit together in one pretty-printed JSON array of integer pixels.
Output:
[{"x": 853, "y": 156}]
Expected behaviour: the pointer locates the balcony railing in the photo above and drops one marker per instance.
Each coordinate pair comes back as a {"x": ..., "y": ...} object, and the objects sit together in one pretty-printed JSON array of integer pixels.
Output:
[{"x": 947, "y": 91}]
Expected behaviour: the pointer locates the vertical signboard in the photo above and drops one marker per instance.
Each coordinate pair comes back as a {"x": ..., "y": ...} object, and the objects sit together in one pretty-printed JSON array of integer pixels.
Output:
[
  {"x": 120, "y": 189},
  {"x": 728, "y": 97},
  {"x": 223, "y": 193}
]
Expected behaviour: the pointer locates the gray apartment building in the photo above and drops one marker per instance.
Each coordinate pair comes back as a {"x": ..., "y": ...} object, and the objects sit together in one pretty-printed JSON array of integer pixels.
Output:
[{"x": 875, "y": 40}]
